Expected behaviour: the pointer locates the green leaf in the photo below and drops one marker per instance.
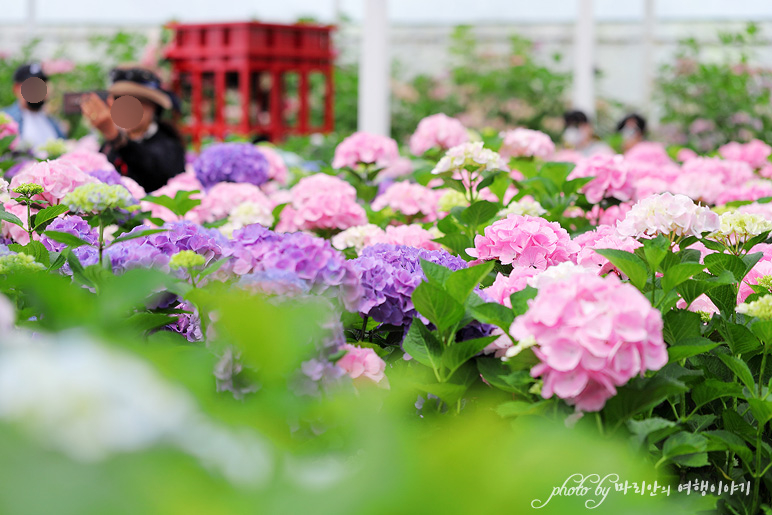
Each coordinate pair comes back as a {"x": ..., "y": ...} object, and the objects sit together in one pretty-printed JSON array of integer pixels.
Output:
[
  {"x": 762, "y": 410},
  {"x": 494, "y": 314},
  {"x": 740, "y": 369},
  {"x": 140, "y": 234},
  {"x": 739, "y": 338},
  {"x": 718, "y": 262},
  {"x": 639, "y": 395},
  {"x": 457, "y": 242},
  {"x": 478, "y": 213},
  {"x": 435, "y": 274},
  {"x": 683, "y": 444},
  {"x": 680, "y": 325},
  {"x": 630, "y": 264},
  {"x": 422, "y": 345},
  {"x": 655, "y": 250},
  {"x": 500, "y": 185},
  {"x": 677, "y": 274},
  {"x": 519, "y": 299},
  {"x": 712, "y": 389},
  {"x": 500, "y": 376},
  {"x": 47, "y": 215},
  {"x": 724, "y": 297},
  {"x": 67, "y": 238},
  {"x": 10, "y": 217},
  {"x": 763, "y": 330},
  {"x": 488, "y": 180},
  {"x": 38, "y": 251},
  {"x": 730, "y": 442},
  {"x": 702, "y": 283},
  {"x": 145, "y": 321},
  {"x": 435, "y": 304},
  {"x": 648, "y": 426},
  {"x": 556, "y": 172},
  {"x": 687, "y": 350},
  {"x": 461, "y": 282},
  {"x": 520, "y": 408},
  {"x": 460, "y": 352}
]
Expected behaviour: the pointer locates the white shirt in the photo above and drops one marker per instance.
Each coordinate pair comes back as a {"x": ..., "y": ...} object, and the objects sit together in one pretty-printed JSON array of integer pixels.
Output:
[{"x": 36, "y": 128}]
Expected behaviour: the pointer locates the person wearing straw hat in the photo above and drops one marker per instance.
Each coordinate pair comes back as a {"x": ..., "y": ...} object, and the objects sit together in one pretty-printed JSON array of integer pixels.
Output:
[{"x": 151, "y": 152}]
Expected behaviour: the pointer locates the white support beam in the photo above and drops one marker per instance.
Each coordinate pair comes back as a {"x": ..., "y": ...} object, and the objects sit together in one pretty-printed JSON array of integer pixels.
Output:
[
  {"x": 649, "y": 18},
  {"x": 373, "y": 101},
  {"x": 584, "y": 59}
]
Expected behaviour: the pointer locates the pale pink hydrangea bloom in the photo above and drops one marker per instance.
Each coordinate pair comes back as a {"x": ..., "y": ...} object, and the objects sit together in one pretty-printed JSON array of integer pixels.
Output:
[
  {"x": 701, "y": 303},
  {"x": 760, "y": 269},
  {"x": 277, "y": 169},
  {"x": 686, "y": 154},
  {"x": 755, "y": 208},
  {"x": 522, "y": 142},
  {"x": 504, "y": 286},
  {"x": 87, "y": 161},
  {"x": 604, "y": 237},
  {"x": 362, "y": 364},
  {"x": 567, "y": 155},
  {"x": 706, "y": 178},
  {"x": 437, "y": 131},
  {"x": 223, "y": 198},
  {"x": 649, "y": 152},
  {"x": 755, "y": 152},
  {"x": 592, "y": 335},
  {"x": 611, "y": 178},
  {"x": 665, "y": 214},
  {"x": 766, "y": 171},
  {"x": 409, "y": 199},
  {"x": 609, "y": 216},
  {"x": 401, "y": 167},
  {"x": 13, "y": 231},
  {"x": 88, "y": 143},
  {"x": 524, "y": 241},
  {"x": 751, "y": 190},
  {"x": 9, "y": 127},
  {"x": 58, "y": 178},
  {"x": 322, "y": 201},
  {"x": 650, "y": 179},
  {"x": 412, "y": 235},
  {"x": 137, "y": 191},
  {"x": 57, "y": 66},
  {"x": 363, "y": 147}
]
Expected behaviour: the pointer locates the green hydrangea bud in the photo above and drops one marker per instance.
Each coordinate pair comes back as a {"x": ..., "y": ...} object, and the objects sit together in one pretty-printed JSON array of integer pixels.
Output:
[
  {"x": 765, "y": 282},
  {"x": 16, "y": 263},
  {"x": 29, "y": 189},
  {"x": 705, "y": 316},
  {"x": 96, "y": 197},
  {"x": 53, "y": 148},
  {"x": 761, "y": 308},
  {"x": 186, "y": 259},
  {"x": 451, "y": 199}
]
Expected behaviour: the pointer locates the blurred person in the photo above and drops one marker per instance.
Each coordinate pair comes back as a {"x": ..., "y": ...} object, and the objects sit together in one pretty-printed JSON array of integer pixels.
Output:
[
  {"x": 579, "y": 135},
  {"x": 632, "y": 128},
  {"x": 36, "y": 127},
  {"x": 150, "y": 153}
]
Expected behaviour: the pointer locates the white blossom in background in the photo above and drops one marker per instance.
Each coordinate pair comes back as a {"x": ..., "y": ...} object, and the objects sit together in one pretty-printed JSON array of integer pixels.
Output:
[
  {"x": 524, "y": 206},
  {"x": 357, "y": 237},
  {"x": 244, "y": 214},
  {"x": 556, "y": 273},
  {"x": 738, "y": 227}
]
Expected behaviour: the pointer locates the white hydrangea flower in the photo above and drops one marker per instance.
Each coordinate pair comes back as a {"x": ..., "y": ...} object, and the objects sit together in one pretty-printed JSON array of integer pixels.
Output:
[
  {"x": 471, "y": 155},
  {"x": 522, "y": 207},
  {"x": 667, "y": 214},
  {"x": 738, "y": 227},
  {"x": 357, "y": 237},
  {"x": 761, "y": 308},
  {"x": 557, "y": 272},
  {"x": 244, "y": 214}
]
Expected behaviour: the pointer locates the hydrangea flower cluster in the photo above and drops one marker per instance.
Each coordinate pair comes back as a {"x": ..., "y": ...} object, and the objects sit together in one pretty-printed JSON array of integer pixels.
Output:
[
  {"x": 760, "y": 270},
  {"x": 525, "y": 241},
  {"x": 412, "y": 200},
  {"x": 107, "y": 176},
  {"x": 87, "y": 161},
  {"x": 57, "y": 177},
  {"x": 667, "y": 214},
  {"x": 611, "y": 178},
  {"x": 604, "y": 237},
  {"x": 651, "y": 152},
  {"x": 524, "y": 206},
  {"x": 756, "y": 153},
  {"x": 15, "y": 263},
  {"x": 389, "y": 275},
  {"x": 231, "y": 162},
  {"x": 322, "y": 202},
  {"x": 186, "y": 259},
  {"x": 760, "y": 308},
  {"x": 312, "y": 259},
  {"x": 357, "y": 237},
  {"x": 504, "y": 286},
  {"x": 96, "y": 197},
  {"x": 437, "y": 131},
  {"x": 412, "y": 235},
  {"x": 592, "y": 334},
  {"x": 736, "y": 227},
  {"x": 706, "y": 178},
  {"x": 450, "y": 199},
  {"x": 247, "y": 213},
  {"x": 365, "y": 148},
  {"x": 277, "y": 169},
  {"x": 224, "y": 197},
  {"x": 523, "y": 142},
  {"x": 9, "y": 128},
  {"x": 469, "y": 156},
  {"x": 76, "y": 226},
  {"x": 751, "y": 190},
  {"x": 362, "y": 364}
]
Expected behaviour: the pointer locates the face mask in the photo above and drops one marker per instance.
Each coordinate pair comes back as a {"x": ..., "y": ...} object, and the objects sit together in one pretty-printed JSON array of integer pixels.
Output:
[
  {"x": 35, "y": 107},
  {"x": 629, "y": 133},
  {"x": 572, "y": 136}
]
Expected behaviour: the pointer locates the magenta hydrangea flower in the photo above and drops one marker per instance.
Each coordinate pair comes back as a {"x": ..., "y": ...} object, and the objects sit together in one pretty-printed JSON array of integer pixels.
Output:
[
  {"x": 611, "y": 178},
  {"x": 322, "y": 201},
  {"x": 437, "y": 131},
  {"x": 365, "y": 148},
  {"x": 412, "y": 200},
  {"x": 592, "y": 334},
  {"x": 231, "y": 162},
  {"x": 524, "y": 241},
  {"x": 756, "y": 153},
  {"x": 523, "y": 142}
]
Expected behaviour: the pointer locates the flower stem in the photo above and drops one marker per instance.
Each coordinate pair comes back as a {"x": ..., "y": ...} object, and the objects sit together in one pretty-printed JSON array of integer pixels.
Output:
[{"x": 101, "y": 239}]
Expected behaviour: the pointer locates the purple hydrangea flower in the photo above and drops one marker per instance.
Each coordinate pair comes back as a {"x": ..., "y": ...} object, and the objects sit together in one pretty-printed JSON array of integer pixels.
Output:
[
  {"x": 390, "y": 274},
  {"x": 188, "y": 324},
  {"x": 311, "y": 259},
  {"x": 76, "y": 226},
  {"x": 231, "y": 162},
  {"x": 106, "y": 176}
]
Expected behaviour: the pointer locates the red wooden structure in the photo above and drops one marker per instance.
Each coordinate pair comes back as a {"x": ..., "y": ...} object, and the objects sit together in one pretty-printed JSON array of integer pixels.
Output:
[{"x": 250, "y": 66}]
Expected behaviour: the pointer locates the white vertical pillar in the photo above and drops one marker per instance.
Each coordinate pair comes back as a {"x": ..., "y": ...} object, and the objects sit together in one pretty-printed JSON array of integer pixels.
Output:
[
  {"x": 31, "y": 22},
  {"x": 373, "y": 101},
  {"x": 649, "y": 17},
  {"x": 584, "y": 59}
]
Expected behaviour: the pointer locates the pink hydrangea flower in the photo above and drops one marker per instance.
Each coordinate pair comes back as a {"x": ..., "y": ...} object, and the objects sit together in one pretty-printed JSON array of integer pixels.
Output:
[
  {"x": 401, "y": 167},
  {"x": 322, "y": 202},
  {"x": 705, "y": 178},
  {"x": 592, "y": 334},
  {"x": 650, "y": 179},
  {"x": 686, "y": 154},
  {"x": 751, "y": 190},
  {"x": 13, "y": 231},
  {"x": 755, "y": 152},
  {"x": 57, "y": 66},
  {"x": 609, "y": 216},
  {"x": 362, "y": 364},
  {"x": 522, "y": 142},
  {"x": 277, "y": 169},
  {"x": 504, "y": 286},
  {"x": 366, "y": 148},
  {"x": 9, "y": 127},
  {"x": 649, "y": 152},
  {"x": 223, "y": 198},
  {"x": 611, "y": 178},
  {"x": 665, "y": 214},
  {"x": 525, "y": 241},
  {"x": 567, "y": 155},
  {"x": 701, "y": 303},
  {"x": 604, "y": 237},
  {"x": 412, "y": 200},
  {"x": 57, "y": 177},
  {"x": 437, "y": 131},
  {"x": 87, "y": 161},
  {"x": 137, "y": 191},
  {"x": 761, "y": 269},
  {"x": 412, "y": 235}
]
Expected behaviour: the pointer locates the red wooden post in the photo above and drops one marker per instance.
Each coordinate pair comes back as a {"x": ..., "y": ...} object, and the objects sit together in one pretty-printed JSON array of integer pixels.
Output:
[{"x": 304, "y": 93}]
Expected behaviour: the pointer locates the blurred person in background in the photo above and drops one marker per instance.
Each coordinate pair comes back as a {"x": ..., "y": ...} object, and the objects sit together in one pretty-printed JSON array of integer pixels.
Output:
[
  {"x": 579, "y": 135},
  {"x": 150, "y": 153},
  {"x": 632, "y": 128},
  {"x": 36, "y": 127}
]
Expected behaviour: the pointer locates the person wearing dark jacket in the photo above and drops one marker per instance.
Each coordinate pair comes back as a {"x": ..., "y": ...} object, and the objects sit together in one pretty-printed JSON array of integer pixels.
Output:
[{"x": 152, "y": 152}]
